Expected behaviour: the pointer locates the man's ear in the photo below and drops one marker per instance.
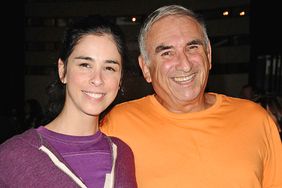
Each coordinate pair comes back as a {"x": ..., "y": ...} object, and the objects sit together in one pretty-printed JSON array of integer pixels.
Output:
[
  {"x": 61, "y": 71},
  {"x": 209, "y": 51},
  {"x": 145, "y": 69}
]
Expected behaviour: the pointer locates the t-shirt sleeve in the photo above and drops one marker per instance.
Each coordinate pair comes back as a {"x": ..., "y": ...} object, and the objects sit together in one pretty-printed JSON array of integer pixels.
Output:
[{"x": 272, "y": 177}]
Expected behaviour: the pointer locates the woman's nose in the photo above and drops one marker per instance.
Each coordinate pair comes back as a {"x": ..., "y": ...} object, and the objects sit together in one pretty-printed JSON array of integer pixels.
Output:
[{"x": 97, "y": 79}]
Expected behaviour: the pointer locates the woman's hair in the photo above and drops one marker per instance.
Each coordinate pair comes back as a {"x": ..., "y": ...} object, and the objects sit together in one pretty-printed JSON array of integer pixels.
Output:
[
  {"x": 162, "y": 12},
  {"x": 91, "y": 25}
]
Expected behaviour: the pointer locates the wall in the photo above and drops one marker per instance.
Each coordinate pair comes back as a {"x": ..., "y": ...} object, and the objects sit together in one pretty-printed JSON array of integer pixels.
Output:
[{"x": 46, "y": 19}]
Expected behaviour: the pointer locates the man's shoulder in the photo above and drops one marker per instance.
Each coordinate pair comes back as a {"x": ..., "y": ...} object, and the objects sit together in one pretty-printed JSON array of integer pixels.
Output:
[
  {"x": 136, "y": 103},
  {"x": 242, "y": 104}
]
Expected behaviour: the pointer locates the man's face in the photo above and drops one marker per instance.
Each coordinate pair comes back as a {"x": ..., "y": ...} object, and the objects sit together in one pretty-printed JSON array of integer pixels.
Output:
[{"x": 179, "y": 61}]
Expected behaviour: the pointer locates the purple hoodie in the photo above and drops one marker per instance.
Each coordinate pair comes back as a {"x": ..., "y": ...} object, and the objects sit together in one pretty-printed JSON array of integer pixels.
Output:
[{"x": 23, "y": 163}]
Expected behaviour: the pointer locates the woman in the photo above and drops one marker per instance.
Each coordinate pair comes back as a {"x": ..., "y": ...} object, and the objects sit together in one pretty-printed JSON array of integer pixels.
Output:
[{"x": 70, "y": 151}]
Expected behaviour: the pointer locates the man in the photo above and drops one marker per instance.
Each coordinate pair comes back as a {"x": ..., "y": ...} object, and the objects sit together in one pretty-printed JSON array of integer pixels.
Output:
[
  {"x": 182, "y": 136},
  {"x": 249, "y": 91}
]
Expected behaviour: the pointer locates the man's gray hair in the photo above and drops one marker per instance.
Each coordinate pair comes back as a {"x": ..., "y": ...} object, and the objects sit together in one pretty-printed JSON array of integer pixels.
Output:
[{"x": 161, "y": 13}]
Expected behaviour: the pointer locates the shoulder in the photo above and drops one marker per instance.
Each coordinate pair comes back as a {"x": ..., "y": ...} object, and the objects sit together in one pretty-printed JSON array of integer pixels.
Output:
[
  {"x": 243, "y": 104},
  {"x": 123, "y": 148},
  {"x": 19, "y": 144},
  {"x": 125, "y": 166},
  {"x": 122, "y": 114},
  {"x": 136, "y": 103},
  {"x": 119, "y": 143},
  {"x": 237, "y": 107},
  {"x": 129, "y": 108},
  {"x": 20, "y": 152}
]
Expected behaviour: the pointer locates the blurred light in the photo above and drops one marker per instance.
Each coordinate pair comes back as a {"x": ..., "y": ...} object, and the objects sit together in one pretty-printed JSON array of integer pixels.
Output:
[
  {"x": 127, "y": 20},
  {"x": 225, "y": 13},
  {"x": 242, "y": 13},
  {"x": 133, "y": 19}
]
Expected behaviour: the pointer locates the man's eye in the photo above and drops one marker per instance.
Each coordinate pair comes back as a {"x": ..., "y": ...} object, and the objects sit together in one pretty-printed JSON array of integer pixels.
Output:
[
  {"x": 167, "y": 53},
  {"x": 193, "y": 46}
]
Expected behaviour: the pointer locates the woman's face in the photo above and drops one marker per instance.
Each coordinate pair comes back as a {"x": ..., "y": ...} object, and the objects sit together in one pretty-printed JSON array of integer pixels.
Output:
[{"x": 93, "y": 74}]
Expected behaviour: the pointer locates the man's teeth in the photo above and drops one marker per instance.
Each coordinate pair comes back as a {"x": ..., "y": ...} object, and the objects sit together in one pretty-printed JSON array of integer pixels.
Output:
[{"x": 183, "y": 78}]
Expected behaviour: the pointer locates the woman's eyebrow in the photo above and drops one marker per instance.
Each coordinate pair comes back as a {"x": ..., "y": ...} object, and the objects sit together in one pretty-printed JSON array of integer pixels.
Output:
[
  {"x": 112, "y": 62},
  {"x": 92, "y": 59},
  {"x": 85, "y": 58}
]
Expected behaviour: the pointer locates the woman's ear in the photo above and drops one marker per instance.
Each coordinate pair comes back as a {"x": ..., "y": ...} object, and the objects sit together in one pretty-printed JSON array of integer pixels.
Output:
[
  {"x": 61, "y": 71},
  {"x": 145, "y": 69}
]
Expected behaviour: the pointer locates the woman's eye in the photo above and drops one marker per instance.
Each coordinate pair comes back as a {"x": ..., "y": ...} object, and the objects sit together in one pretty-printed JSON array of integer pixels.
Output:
[
  {"x": 86, "y": 65},
  {"x": 110, "y": 69}
]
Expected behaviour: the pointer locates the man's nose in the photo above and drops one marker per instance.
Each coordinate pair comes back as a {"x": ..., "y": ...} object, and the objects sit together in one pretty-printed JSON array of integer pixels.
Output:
[{"x": 184, "y": 63}]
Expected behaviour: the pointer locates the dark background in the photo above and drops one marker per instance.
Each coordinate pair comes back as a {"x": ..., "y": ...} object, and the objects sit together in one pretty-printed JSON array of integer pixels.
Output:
[
  {"x": 12, "y": 65},
  {"x": 265, "y": 30}
]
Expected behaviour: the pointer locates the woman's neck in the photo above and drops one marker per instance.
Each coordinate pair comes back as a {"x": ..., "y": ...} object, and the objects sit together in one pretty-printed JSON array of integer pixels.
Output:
[{"x": 74, "y": 124}]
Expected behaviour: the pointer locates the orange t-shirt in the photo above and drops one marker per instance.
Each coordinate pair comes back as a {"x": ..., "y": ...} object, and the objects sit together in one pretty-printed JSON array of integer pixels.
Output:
[{"x": 234, "y": 144}]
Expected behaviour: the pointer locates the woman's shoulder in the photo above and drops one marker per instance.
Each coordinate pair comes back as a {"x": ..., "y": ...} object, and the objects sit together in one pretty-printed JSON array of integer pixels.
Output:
[
  {"x": 122, "y": 147},
  {"x": 19, "y": 143}
]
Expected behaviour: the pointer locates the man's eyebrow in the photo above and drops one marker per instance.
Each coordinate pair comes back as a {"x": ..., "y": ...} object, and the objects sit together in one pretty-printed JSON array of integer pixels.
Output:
[
  {"x": 195, "y": 42},
  {"x": 161, "y": 48}
]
